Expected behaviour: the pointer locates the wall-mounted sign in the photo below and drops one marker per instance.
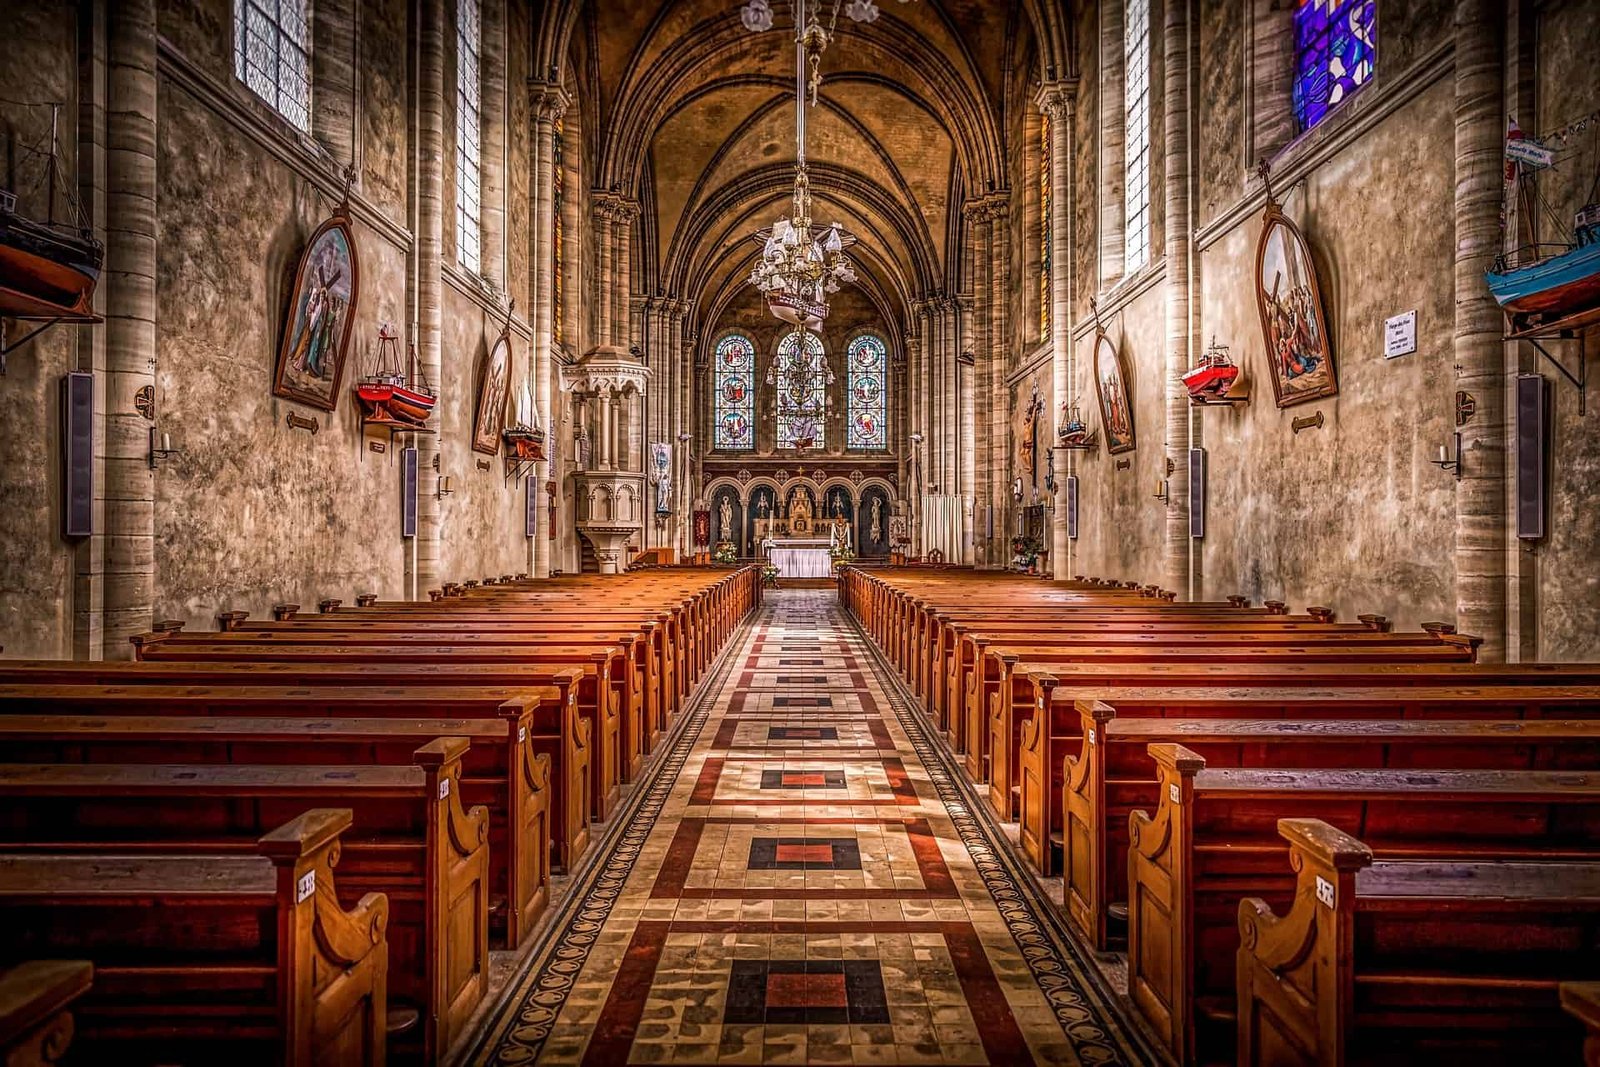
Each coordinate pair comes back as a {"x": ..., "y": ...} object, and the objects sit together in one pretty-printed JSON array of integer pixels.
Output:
[{"x": 1400, "y": 335}]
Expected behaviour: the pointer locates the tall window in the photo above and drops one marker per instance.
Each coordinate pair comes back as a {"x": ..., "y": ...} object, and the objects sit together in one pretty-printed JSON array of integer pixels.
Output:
[
  {"x": 1335, "y": 47},
  {"x": 271, "y": 55},
  {"x": 868, "y": 363},
  {"x": 1046, "y": 241},
  {"x": 1136, "y": 108},
  {"x": 802, "y": 390},
  {"x": 736, "y": 393},
  {"x": 558, "y": 235},
  {"x": 469, "y": 112}
]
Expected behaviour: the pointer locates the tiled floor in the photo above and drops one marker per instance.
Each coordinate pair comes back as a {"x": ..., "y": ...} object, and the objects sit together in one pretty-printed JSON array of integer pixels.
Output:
[{"x": 803, "y": 881}]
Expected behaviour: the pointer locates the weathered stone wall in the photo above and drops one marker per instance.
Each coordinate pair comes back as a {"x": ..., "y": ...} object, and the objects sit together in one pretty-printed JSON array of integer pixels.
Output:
[
  {"x": 253, "y": 512},
  {"x": 36, "y": 565},
  {"x": 1353, "y": 514}
]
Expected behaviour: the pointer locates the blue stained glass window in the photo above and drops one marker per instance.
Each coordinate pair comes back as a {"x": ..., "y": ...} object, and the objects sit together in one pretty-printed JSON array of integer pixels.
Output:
[
  {"x": 1335, "y": 51},
  {"x": 868, "y": 362},
  {"x": 802, "y": 391},
  {"x": 736, "y": 393}
]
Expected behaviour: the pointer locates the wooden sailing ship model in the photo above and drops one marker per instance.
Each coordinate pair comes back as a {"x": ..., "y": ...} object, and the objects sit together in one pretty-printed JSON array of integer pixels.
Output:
[
  {"x": 390, "y": 396},
  {"x": 48, "y": 267}
]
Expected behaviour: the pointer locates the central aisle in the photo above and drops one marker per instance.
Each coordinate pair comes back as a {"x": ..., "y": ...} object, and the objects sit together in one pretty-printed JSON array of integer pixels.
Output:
[{"x": 801, "y": 881}]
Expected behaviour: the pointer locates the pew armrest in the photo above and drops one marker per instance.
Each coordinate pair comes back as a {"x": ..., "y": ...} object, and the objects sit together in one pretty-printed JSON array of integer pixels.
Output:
[{"x": 34, "y": 994}]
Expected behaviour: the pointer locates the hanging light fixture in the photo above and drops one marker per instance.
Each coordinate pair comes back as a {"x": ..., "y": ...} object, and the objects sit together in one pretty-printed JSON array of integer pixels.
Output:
[{"x": 803, "y": 263}]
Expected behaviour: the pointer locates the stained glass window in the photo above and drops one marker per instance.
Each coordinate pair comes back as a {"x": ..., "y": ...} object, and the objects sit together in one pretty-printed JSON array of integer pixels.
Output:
[
  {"x": 1136, "y": 101},
  {"x": 558, "y": 234},
  {"x": 1335, "y": 48},
  {"x": 469, "y": 112},
  {"x": 736, "y": 393},
  {"x": 802, "y": 391},
  {"x": 868, "y": 363},
  {"x": 271, "y": 55},
  {"x": 1046, "y": 240}
]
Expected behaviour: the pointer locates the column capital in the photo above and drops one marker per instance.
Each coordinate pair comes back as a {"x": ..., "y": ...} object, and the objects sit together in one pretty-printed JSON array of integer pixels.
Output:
[
  {"x": 1057, "y": 99},
  {"x": 548, "y": 100}
]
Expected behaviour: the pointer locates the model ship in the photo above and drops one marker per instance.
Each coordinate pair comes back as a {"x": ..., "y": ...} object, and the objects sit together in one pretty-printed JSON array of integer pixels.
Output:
[
  {"x": 525, "y": 439},
  {"x": 1556, "y": 286},
  {"x": 1211, "y": 378},
  {"x": 49, "y": 268},
  {"x": 1545, "y": 282},
  {"x": 1072, "y": 432},
  {"x": 390, "y": 396}
]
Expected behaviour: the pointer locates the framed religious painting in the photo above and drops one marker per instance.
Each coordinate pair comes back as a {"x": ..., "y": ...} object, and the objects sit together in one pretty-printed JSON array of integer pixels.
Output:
[
  {"x": 1299, "y": 356},
  {"x": 322, "y": 304},
  {"x": 1116, "y": 402},
  {"x": 493, "y": 394}
]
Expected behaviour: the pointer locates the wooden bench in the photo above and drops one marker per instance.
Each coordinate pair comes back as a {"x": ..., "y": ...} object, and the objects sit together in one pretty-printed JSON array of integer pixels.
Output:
[
  {"x": 555, "y": 729},
  {"x": 1582, "y": 1001},
  {"x": 1097, "y": 784},
  {"x": 1396, "y": 962},
  {"x": 247, "y": 959},
  {"x": 413, "y": 840},
  {"x": 1213, "y": 840},
  {"x": 501, "y": 771},
  {"x": 497, "y": 665},
  {"x": 35, "y": 1009}
]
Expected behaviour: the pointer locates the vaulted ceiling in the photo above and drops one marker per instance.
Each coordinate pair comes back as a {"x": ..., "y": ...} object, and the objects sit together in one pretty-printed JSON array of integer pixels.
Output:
[{"x": 696, "y": 121}]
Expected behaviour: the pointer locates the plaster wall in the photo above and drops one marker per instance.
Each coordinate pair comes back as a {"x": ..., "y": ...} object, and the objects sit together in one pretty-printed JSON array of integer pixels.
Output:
[{"x": 36, "y": 565}]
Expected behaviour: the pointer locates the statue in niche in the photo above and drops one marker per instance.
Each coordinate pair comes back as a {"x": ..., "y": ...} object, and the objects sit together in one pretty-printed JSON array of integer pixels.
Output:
[
  {"x": 763, "y": 504},
  {"x": 725, "y": 520},
  {"x": 836, "y": 504},
  {"x": 875, "y": 532}
]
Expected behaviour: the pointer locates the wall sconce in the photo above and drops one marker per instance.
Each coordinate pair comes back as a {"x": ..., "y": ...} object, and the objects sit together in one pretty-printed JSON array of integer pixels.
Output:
[
  {"x": 1161, "y": 491},
  {"x": 1447, "y": 462},
  {"x": 446, "y": 486},
  {"x": 166, "y": 451}
]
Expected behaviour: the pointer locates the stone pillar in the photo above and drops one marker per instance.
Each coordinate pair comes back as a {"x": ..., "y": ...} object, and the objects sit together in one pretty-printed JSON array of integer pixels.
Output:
[
  {"x": 1176, "y": 43},
  {"x": 1479, "y": 353},
  {"x": 549, "y": 103},
  {"x": 996, "y": 429},
  {"x": 88, "y": 593},
  {"x": 603, "y": 270},
  {"x": 130, "y": 329},
  {"x": 333, "y": 58},
  {"x": 429, "y": 252},
  {"x": 1057, "y": 100},
  {"x": 622, "y": 284}
]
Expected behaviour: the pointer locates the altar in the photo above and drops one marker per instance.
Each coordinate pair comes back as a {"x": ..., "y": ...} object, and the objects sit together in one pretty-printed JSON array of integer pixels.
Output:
[{"x": 801, "y": 557}]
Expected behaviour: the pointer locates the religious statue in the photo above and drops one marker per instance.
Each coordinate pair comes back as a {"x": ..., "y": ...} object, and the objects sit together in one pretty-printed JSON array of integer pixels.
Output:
[
  {"x": 763, "y": 503},
  {"x": 725, "y": 517},
  {"x": 839, "y": 535},
  {"x": 836, "y": 504},
  {"x": 876, "y": 531},
  {"x": 799, "y": 513}
]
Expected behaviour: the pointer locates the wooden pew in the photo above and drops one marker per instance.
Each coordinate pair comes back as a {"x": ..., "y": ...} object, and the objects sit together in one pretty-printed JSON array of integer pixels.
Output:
[
  {"x": 500, "y": 665},
  {"x": 1582, "y": 1001},
  {"x": 1400, "y": 962},
  {"x": 35, "y": 1009},
  {"x": 246, "y": 959},
  {"x": 1007, "y": 719},
  {"x": 1100, "y": 782},
  {"x": 550, "y": 712},
  {"x": 1213, "y": 840},
  {"x": 414, "y": 841},
  {"x": 501, "y": 771}
]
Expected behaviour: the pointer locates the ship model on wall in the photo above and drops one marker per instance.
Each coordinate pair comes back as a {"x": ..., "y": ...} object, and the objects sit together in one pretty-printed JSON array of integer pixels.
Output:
[
  {"x": 48, "y": 267},
  {"x": 525, "y": 438},
  {"x": 390, "y": 396},
  {"x": 1544, "y": 283},
  {"x": 1209, "y": 380}
]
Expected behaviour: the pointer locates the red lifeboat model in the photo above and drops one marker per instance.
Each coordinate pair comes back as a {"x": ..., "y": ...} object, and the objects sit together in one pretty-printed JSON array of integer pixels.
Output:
[{"x": 1211, "y": 378}]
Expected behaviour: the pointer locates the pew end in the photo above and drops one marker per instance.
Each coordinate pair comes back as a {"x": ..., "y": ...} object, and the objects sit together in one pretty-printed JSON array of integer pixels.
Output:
[{"x": 35, "y": 1009}]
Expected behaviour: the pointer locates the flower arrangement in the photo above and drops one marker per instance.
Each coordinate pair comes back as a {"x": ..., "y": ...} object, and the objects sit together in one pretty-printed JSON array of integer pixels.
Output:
[
  {"x": 725, "y": 554},
  {"x": 769, "y": 576},
  {"x": 1025, "y": 551},
  {"x": 841, "y": 555}
]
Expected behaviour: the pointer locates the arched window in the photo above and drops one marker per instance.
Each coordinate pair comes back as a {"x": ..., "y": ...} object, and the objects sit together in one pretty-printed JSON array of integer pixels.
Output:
[
  {"x": 867, "y": 369},
  {"x": 802, "y": 381},
  {"x": 1335, "y": 45},
  {"x": 1046, "y": 239},
  {"x": 469, "y": 116},
  {"x": 735, "y": 393},
  {"x": 1136, "y": 141},
  {"x": 271, "y": 54}
]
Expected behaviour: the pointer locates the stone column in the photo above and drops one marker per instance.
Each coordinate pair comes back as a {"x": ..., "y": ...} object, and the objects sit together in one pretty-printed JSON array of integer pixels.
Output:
[
  {"x": 1057, "y": 100},
  {"x": 333, "y": 65},
  {"x": 130, "y": 329},
  {"x": 997, "y": 430},
  {"x": 1176, "y": 42},
  {"x": 978, "y": 464},
  {"x": 88, "y": 593},
  {"x": 429, "y": 252},
  {"x": 603, "y": 270},
  {"x": 622, "y": 284},
  {"x": 549, "y": 103},
  {"x": 1479, "y": 353}
]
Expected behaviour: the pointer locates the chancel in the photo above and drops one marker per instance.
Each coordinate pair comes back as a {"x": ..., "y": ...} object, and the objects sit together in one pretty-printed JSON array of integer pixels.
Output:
[{"x": 979, "y": 532}]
